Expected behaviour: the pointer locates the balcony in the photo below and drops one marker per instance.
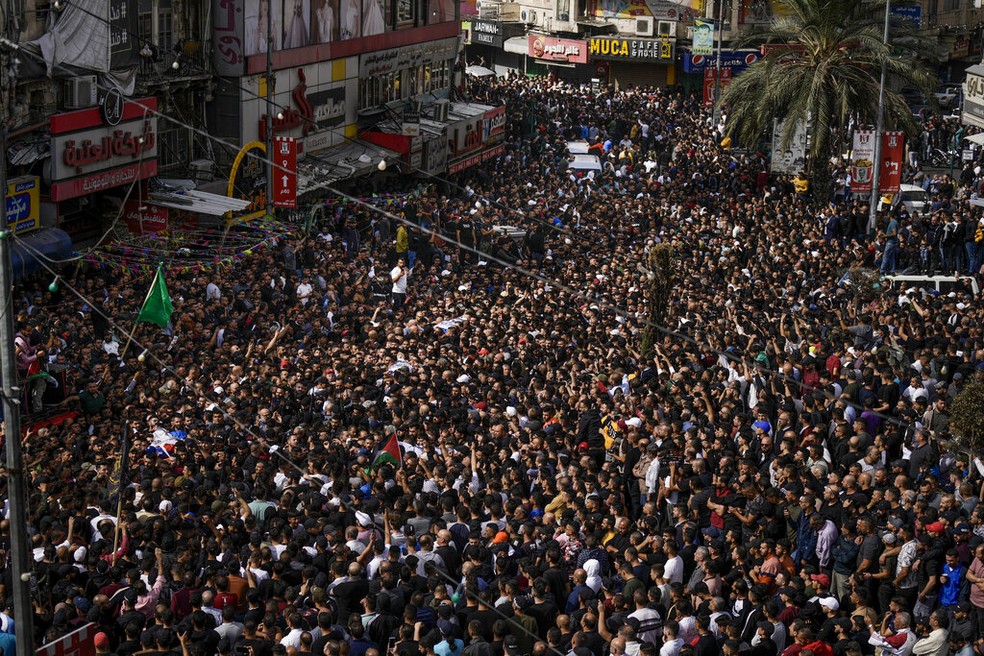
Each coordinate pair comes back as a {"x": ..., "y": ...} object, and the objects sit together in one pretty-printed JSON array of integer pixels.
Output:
[{"x": 168, "y": 68}]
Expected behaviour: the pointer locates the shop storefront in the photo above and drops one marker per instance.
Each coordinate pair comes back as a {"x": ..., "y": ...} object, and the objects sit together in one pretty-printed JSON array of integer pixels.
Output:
[
  {"x": 96, "y": 156},
  {"x": 973, "y": 102},
  {"x": 632, "y": 61},
  {"x": 316, "y": 104},
  {"x": 563, "y": 58},
  {"x": 485, "y": 45},
  {"x": 388, "y": 76},
  {"x": 475, "y": 134}
]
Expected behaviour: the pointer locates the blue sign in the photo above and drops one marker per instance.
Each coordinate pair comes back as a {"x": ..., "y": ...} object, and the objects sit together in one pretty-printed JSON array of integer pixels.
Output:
[
  {"x": 736, "y": 60},
  {"x": 23, "y": 203},
  {"x": 909, "y": 16}
]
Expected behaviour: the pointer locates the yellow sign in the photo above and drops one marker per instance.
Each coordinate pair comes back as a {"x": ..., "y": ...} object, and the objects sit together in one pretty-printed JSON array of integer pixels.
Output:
[
  {"x": 635, "y": 49},
  {"x": 248, "y": 182},
  {"x": 23, "y": 204}
]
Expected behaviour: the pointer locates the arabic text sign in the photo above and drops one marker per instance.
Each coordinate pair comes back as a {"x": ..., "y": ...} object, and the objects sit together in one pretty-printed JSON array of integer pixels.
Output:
[
  {"x": 285, "y": 173},
  {"x": 90, "y": 184},
  {"x": 553, "y": 49},
  {"x": 23, "y": 203},
  {"x": 892, "y": 155},
  {"x": 144, "y": 219},
  {"x": 105, "y": 147}
]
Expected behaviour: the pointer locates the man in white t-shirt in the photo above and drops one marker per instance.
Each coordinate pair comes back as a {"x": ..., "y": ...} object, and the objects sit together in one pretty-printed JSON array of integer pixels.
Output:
[
  {"x": 399, "y": 275},
  {"x": 304, "y": 290}
]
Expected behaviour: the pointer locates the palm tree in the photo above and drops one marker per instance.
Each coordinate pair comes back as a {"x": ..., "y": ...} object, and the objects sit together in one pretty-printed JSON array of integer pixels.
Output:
[{"x": 824, "y": 67}]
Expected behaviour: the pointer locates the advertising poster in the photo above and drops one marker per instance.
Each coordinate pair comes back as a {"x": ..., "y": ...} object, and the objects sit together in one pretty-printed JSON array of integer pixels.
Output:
[{"x": 862, "y": 161}]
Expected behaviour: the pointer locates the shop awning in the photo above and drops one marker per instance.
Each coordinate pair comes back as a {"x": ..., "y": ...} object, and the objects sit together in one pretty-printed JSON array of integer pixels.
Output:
[
  {"x": 519, "y": 45},
  {"x": 976, "y": 138},
  {"x": 53, "y": 244},
  {"x": 351, "y": 159},
  {"x": 201, "y": 202}
]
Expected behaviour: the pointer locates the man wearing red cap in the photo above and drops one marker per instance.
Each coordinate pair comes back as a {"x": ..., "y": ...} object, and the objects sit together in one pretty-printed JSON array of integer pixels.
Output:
[{"x": 101, "y": 643}]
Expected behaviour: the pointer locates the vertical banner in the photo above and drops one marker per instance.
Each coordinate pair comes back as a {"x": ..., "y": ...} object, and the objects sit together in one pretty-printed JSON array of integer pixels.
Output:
[
  {"x": 285, "y": 172},
  {"x": 792, "y": 159},
  {"x": 703, "y": 37},
  {"x": 228, "y": 39},
  {"x": 892, "y": 152},
  {"x": 862, "y": 161},
  {"x": 711, "y": 81}
]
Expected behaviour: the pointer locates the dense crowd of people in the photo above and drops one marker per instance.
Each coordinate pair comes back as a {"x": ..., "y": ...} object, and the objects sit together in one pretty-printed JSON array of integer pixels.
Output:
[{"x": 767, "y": 477}]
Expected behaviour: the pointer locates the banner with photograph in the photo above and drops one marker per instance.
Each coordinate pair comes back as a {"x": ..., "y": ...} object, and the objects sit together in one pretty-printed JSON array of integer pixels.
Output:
[
  {"x": 792, "y": 159},
  {"x": 862, "y": 161},
  {"x": 302, "y": 23},
  {"x": 703, "y": 37}
]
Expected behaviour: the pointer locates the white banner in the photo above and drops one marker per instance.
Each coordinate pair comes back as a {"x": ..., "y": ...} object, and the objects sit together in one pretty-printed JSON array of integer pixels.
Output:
[{"x": 793, "y": 159}]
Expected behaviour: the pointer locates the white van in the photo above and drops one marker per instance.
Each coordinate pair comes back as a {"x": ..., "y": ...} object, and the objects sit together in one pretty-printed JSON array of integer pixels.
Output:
[
  {"x": 579, "y": 147},
  {"x": 913, "y": 197},
  {"x": 584, "y": 164},
  {"x": 942, "y": 284}
]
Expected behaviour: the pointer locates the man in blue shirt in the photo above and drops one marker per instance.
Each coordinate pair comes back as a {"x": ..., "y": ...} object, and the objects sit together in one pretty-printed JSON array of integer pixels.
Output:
[
  {"x": 891, "y": 237},
  {"x": 951, "y": 579}
]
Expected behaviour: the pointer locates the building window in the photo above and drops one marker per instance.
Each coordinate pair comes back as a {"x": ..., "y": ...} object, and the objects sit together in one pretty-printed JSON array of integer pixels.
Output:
[
  {"x": 165, "y": 33},
  {"x": 145, "y": 28},
  {"x": 951, "y": 5}
]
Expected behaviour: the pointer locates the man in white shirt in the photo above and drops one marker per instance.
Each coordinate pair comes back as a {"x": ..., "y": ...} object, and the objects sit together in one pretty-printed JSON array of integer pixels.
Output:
[
  {"x": 400, "y": 276},
  {"x": 304, "y": 290},
  {"x": 671, "y": 643},
  {"x": 212, "y": 292},
  {"x": 673, "y": 571}
]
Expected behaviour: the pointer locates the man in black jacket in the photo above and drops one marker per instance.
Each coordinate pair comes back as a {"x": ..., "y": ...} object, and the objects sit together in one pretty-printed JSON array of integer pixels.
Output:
[{"x": 589, "y": 439}]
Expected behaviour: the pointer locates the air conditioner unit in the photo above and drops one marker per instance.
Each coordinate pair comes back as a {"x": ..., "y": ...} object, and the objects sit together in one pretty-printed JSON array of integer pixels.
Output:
[
  {"x": 644, "y": 26},
  {"x": 666, "y": 28},
  {"x": 441, "y": 110},
  {"x": 202, "y": 169},
  {"x": 532, "y": 16},
  {"x": 524, "y": 15},
  {"x": 79, "y": 92}
]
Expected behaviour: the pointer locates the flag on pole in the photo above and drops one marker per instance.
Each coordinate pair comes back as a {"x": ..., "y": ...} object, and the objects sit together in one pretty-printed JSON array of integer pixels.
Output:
[
  {"x": 390, "y": 453},
  {"x": 157, "y": 306},
  {"x": 117, "y": 476}
]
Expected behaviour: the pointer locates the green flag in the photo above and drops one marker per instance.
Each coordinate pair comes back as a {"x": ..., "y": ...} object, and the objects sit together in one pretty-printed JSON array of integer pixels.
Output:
[{"x": 157, "y": 306}]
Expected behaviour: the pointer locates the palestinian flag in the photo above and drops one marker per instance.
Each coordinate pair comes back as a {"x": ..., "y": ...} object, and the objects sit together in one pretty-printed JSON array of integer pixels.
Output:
[{"x": 390, "y": 453}]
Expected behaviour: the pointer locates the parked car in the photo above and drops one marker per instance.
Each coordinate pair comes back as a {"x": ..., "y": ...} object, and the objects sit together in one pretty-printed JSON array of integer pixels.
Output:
[
  {"x": 949, "y": 96},
  {"x": 914, "y": 198}
]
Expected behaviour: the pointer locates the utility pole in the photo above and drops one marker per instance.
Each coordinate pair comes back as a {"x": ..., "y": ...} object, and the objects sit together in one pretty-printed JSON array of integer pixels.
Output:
[
  {"x": 879, "y": 127},
  {"x": 11, "y": 393},
  {"x": 717, "y": 73},
  {"x": 270, "y": 83}
]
